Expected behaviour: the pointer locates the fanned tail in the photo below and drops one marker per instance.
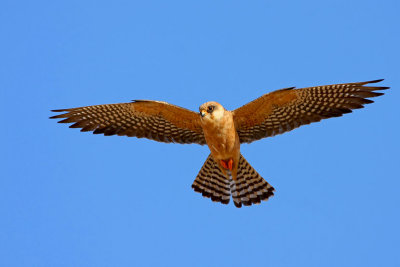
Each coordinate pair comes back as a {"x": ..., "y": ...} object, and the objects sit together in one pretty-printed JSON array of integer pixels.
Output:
[
  {"x": 249, "y": 187},
  {"x": 212, "y": 183}
]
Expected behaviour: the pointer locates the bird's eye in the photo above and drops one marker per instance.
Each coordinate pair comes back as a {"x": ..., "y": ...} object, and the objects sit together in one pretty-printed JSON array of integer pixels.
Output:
[{"x": 210, "y": 109}]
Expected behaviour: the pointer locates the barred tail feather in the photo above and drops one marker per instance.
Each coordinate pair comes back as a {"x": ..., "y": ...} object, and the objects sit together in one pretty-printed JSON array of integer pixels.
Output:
[
  {"x": 249, "y": 187},
  {"x": 212, "y": 183}
]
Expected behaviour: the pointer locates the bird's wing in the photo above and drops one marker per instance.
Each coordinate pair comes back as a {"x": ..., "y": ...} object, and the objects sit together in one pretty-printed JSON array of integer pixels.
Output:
[
  {"x": 286, "y": 109},
  {"x": 155, "y": 120}
]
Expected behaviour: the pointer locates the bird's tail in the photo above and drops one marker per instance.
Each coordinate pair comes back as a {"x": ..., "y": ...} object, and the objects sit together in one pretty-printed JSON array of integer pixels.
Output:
[
  {"x": 212, "y": 183},
  {"x": 248, "y": 188}
]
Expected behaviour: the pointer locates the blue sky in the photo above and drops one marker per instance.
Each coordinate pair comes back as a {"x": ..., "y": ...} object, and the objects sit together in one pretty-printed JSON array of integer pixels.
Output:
[{"x": 75, "y": 199}]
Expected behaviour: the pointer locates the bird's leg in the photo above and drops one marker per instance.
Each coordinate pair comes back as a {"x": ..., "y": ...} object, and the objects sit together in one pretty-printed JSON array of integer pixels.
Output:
[
  {"x": 223, "y": 163},
  {"x": 230, "y": 164},
  {"x": 228, "y": 167},
  {"x": 227, "y": 164}
]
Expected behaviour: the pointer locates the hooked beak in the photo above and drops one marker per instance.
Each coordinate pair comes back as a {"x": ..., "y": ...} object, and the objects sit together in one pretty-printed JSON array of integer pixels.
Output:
[{"x": 202, "y": 113}]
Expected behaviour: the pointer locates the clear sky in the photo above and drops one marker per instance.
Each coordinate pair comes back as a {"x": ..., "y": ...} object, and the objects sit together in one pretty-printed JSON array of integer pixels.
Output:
[{"x": 75, "y": 199}]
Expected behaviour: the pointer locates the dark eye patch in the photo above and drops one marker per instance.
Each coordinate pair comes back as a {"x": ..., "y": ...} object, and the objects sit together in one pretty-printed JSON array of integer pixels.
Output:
[{"x": 210, "y": 109}]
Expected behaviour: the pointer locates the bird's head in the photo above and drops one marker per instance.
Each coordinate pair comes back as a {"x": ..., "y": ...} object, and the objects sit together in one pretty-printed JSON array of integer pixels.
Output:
[{"x": 211, "y": 111}]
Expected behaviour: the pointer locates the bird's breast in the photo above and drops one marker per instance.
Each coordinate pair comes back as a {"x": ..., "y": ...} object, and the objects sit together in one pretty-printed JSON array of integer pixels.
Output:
[{"x": 221, "y": 137}]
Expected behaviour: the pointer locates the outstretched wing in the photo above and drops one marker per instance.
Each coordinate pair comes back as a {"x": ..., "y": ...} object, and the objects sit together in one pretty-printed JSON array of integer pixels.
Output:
[
  {"x": 286, "y": 109},
  {"x": 154, "y": 120}
]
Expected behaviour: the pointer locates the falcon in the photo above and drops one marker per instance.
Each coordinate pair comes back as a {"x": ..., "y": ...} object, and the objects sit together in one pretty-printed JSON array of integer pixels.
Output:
[{"x": 225, "y": 173}]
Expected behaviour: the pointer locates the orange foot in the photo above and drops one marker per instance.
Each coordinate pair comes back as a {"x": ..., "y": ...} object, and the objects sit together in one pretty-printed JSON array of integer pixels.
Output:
[
  {"x": 227, "y": 164},
  {"x": 230, "y": 164}
]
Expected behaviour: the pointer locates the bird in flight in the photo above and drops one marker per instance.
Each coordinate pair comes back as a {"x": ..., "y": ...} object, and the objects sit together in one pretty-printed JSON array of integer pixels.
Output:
[{"x": 225, "y": 172}]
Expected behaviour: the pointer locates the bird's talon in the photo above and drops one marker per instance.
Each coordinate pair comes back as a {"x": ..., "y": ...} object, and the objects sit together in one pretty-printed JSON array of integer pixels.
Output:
[
  {"x": 223, "y": 163},
  {"x": 230, "y": 164},
  {"x": 227, "y": 165}
]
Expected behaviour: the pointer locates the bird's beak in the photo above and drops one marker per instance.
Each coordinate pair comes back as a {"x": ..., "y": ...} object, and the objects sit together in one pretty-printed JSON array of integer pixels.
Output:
[{"x": 202, "y": 113}]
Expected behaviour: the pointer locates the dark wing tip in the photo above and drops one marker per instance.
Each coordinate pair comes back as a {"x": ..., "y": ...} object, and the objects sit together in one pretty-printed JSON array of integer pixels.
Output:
[
  {"x": 377, "y": 87},
  {"x": 375, "y": 81},
  {"x": 367, "y": 91},
  {"x": 59, "y": 116},
  {"x": 61, "y": 110},
  {"x": 287, "y": 88}
]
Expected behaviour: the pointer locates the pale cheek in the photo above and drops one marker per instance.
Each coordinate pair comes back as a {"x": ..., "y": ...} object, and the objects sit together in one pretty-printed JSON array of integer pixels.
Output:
[{"x": 218, "y": 115}]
